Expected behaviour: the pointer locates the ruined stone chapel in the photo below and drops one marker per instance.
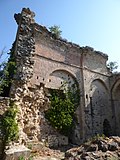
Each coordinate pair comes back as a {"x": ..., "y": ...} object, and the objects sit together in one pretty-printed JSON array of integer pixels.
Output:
[{"x": 44, "y": 62}]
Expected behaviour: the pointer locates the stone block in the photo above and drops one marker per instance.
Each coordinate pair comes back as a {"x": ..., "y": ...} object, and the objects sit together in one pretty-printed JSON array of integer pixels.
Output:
[
  {"x": 52, "y": 141},
  {"x": 112, "y": 146},
  {"x": 15, "y": 152},
  {"x": 63, "y": 140},
  {"x": 35, "y": 146},
  {"x": 55, "y": 140}
]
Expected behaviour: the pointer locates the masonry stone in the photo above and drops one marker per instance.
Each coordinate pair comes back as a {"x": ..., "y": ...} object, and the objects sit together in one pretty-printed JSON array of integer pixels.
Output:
[{"x": 43, "y": 63}]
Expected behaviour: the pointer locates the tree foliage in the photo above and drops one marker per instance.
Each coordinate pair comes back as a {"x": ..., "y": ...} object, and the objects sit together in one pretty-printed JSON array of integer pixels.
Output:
[
  {"x": 8, "y": 124},
  {"x": 2, "y": 61},
  {"x": 62, "y": 109},
  {"x": 7, "y": 71},
  {"x": 112, "y": 66},
  {"x": 56, "y": 31}
]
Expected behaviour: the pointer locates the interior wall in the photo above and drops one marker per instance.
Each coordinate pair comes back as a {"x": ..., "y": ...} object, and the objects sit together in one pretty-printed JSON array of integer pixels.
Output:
[
  {"x": 100, "y": 108},
  {"x": 116, "y": 105}
]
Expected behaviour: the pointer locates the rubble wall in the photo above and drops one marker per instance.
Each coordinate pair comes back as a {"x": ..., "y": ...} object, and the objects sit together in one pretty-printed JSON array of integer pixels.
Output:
[{"x": 30, "y": 97}]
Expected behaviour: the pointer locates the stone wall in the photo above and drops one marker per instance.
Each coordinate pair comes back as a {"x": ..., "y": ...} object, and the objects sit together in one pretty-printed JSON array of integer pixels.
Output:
[
  {"x": 30, "y": 97},
  {"x": 97, "y": 103},
  {"x": 115, "y": 94},
  {"x": 95, "y": 61},
  {"x": 44, "y": 62}
]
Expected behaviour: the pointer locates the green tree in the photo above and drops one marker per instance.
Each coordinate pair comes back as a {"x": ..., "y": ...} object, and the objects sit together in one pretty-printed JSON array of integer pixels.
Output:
[
  {"x": 56, "y": 31},
  {"x": 61, "y": 113},
  {"x": 8, "y": 125},
  {"x": 3, "y": 58},
  {"x": 112, "y": 66},
  {"x": 7, "y": 71}
]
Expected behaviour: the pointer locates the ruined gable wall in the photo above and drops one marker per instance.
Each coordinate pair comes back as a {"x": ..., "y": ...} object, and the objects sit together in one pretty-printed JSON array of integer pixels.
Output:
[
  {"x": 40, "y": 57},
  {"x": 63, "y": 60}
]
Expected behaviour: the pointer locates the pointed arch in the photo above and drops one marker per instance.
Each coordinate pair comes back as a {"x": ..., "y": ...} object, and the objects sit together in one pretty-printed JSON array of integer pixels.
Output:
[
  {"x": 101, "y": 81},
  {"x": 115, "y": 87},
  {"x": 99, "y": 105},
  {"x": 116, "y": 104}
]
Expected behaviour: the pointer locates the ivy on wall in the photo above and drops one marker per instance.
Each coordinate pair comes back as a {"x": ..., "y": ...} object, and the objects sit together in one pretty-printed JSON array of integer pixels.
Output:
[{"x": 63, "y": 105}]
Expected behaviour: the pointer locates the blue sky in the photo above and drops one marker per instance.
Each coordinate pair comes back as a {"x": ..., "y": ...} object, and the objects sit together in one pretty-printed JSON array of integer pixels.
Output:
[{"x": 94, "y": 23}]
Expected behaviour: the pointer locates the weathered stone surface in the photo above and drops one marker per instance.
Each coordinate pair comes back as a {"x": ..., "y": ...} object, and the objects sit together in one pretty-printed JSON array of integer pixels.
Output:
[
  {"x": 102, "y": 146},
  {"x": 95, "y": 150},
  {"x": 4, "y": 103},
  {"x": 92, "y": 148},
  {"x": 15, "y": 152},
  {"x": 112, "y": 146},
  {"x": 57, "y": 140}
]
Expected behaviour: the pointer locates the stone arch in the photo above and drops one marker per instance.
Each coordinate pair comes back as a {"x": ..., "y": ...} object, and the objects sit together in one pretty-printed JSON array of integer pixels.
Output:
[
  {"x": 58, "y": 77},
  {"x": 114, "y": 88},
  {"x": 100, "y": 81},
  {"x": 116, "y": 105},
  {"x": 99, "y": 105},
  {"x": 54, "y": 81}
]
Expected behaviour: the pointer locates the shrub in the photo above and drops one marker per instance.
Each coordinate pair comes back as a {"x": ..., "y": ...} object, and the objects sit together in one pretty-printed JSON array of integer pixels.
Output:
[
  {"x": 7, "y": 74},
  {"x": 9, "y": 125}
]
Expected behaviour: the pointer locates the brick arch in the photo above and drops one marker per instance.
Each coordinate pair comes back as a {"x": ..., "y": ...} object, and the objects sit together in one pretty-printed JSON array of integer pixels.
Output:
[{"x": 57, "y": 78}]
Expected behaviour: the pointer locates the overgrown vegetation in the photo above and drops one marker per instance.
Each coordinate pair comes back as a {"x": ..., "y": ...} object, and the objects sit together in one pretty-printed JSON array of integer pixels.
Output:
[
  {"x": 112, "y": 66},
  {"x": 9, "y": 126},
  {"x": 3, "y": 58},
  {"x": 56, "y": 31},
  {"x": 62, "y": 108},
  {"x": 7, "y": 71},
  {"x": 23, "y": 158}
]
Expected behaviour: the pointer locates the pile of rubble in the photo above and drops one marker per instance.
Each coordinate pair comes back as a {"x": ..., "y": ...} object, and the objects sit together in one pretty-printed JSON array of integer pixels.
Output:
[{"x": 96, "y": 149}]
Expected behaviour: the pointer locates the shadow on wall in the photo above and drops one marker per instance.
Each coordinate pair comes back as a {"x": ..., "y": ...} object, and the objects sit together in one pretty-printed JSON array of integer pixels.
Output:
[
  {"x": 99, "y": 112},
  {"x": 116, "y": 105},
  {"x": 107, "y": 128}
]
